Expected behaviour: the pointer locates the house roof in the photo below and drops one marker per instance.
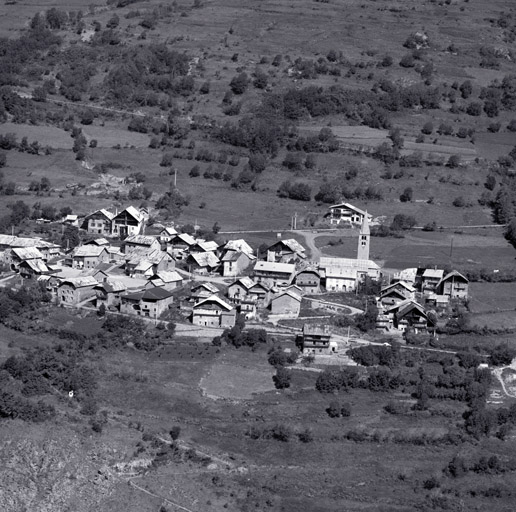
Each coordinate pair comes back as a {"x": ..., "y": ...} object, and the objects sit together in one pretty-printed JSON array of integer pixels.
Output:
[
  {"x": 317, "y": 329},
  {"x": 433, "y": 273},
  {"x": 214, "y": 298},
  {"x": 452, "y": 275},
  {"x": 238, "y": 245},
  {"x": 290, "y": 293},
  {"x": 87, "y": 250},
  {"x": 143, "y": 266},
  {"x": 294, "y": 288},
  {"x": 184, "y": 237},
  {"x": 407, "y": 275},
  {"x": 7, "y": 240},
  {"x": 246, "y": 282},
  {"x": 144, "y": 253},
  {"x": 150, "y": 294},
  {"x": 27, "y": 253},
  {"x": 350, "y": 207},
  {"x": 206, "y": 246},
  {"x": 168, "y": 231},
  {"x": 143, "y": 240},
  {"x": 207, "y": 286},
  {"x": 133, "y": 212},
  {"x": 167, "y": 276},
  {"x": 309, "y": 270},
  {"x": 350, "y": 263},
  {"x": 341, "y": 273},
  {"x": 112, "y": 286},
  {"x": 406, "y": 307},
  {"x": 80, "y": 282},
  {"x": 37, "y": 266},
  {"x": 271, "y": 266},
  {"x": 291, "y": 244},
  {"x": 398, "y": 284},
  {"x": 205, "y": 259},
  {"x": 110, "y": 216},
  {"x": 263, "y": 286},
  {"x": 97, "y": 241}
]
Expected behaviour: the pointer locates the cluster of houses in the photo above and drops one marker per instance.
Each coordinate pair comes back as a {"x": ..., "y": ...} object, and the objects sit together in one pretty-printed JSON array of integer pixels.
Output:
[
  {"x": 406, "y": 303},
  {"x": 123, "y": 269}
]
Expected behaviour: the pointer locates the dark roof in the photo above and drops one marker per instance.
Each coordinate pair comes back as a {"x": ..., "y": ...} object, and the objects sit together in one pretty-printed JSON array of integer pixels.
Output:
[{"x": 157, "y": 293}]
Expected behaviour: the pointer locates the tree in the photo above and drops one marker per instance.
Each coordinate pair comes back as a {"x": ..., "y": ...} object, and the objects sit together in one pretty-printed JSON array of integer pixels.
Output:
[
  {"x": 260, "y": 79},
  {"x": 406, "y": 196},
  {"x": 403, "y": 222},
  {"x": 282, "y": 378},
  {"x": 239, "y": 83},
  {"x": 466, "y": 88},
  {"x": 428, "y": 128},
  {"x": 3, "y": 159},
  {"x": 453, "y": 162},
  {"x": 70, "y": 238},
  {"x": 257, "y": 162}
]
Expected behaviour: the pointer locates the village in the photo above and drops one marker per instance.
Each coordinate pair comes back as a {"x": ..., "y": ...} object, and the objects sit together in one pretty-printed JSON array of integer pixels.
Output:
[{"x": 174, "y": 276}]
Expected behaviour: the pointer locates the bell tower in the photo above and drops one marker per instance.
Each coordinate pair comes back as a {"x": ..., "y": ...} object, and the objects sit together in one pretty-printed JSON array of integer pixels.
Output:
[{"x": 363, "y": 239}]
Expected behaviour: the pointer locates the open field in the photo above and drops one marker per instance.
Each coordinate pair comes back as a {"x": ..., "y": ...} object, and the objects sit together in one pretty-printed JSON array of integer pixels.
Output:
[
  {"x": 229, "y": 378},
  {"x": 487, "y": 250}
]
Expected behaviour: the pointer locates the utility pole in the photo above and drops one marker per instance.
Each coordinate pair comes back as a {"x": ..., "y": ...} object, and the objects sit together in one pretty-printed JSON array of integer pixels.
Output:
[
  {"x": 175, "y": 178},
  {"x": 451, "y": 247}
]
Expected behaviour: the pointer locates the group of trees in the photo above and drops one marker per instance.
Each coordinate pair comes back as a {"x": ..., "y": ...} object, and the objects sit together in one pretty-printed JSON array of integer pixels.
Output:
[{"x": 238, "y": 336}]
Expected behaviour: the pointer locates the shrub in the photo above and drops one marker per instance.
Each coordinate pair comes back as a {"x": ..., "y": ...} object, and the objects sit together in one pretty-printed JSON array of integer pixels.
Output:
[
  {"x": 282, "y": 378},
  {"x": 406, "y": 196},
  {"x": 403, "y": 222},
  {"x": 167, "y": 160},
  {"x": 453, "y": 162},
  {"x": 512, "y": 126},
  {"x": 174, "y": 433},
  {"x": 459, "y": 202},
  {"x": 306, "y": 435},
  {"x": 239, "y": 83}
]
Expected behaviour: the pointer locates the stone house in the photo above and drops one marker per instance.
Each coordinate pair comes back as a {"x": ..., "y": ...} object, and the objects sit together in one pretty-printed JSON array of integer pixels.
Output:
[
  {"x": 286, "y": 303},
  {"x": 151, "y": 303},
  {"x": 74, "y": 290},
  {"x": 213, "y": 312}
]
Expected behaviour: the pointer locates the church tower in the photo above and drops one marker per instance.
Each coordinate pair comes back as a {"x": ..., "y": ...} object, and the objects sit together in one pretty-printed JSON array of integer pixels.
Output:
[{"x": 363, "y": 240}]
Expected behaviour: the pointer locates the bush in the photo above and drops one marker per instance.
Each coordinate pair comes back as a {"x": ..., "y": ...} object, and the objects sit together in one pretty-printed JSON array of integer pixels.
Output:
[
  {"x": 305, "y": 436},
  {"x": 403, "y": 222},
  {"x": 453, "y": 162},
  {"x": 167, "y": 160},
  {"x": 406, "y": 196},
  {"x": 239, "y": 83},
  {"x": 174, "y": 433},
  {"x": 282, "y": 378}
]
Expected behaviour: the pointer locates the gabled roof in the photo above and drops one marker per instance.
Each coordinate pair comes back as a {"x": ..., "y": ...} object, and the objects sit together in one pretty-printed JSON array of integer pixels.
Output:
[
  {"x": 88, "y": 251},
  {"x": 27, "y": 253},
  {"x": 133, "y": 212},
  {"x": 207, "y": 286},
  {"x": 143, "y": 266},
  {"x": 407, "y": 275},
  {"x": 143, "y": 240},
  {"x": 109, "y": 216},
  {"x": 291, "y": 244},
  {"x": 398, "y": 284},
  {"x": 235, "y": 255},
  {"x": 205, "y": 259},
  {"x": 7, "y": 240},
  {"x": 214, "y": 298},
  {"x": 349, "y": 263},
  {"x": 183, "y": 237},
  {"x": 37, "y": 266},
  {"x": 454, "y": 274},
  {"x": 144, "y": 253},
  {"x": 341, "y": 273},
  {"x": 350, "y": 207},
  {"x": 150, "y": 294},
  {"x": 317, "y": 329},
  {"x": 406, "y": 307},
  {"x": 112, "y": 286},
  {"x": 205, "y": 246},
  {"x": 80, "y": 282},
  {"x": 294, "y": 288},
  {"x": 168, "y": 231},
  {"x": 97, "y": 241},
  {"x": 271, "y": 266},
  {"x": 245, "y": 282},
  {"x": 433, "y": 273},
  {"x": 167, "y": 276},
  {"x": 309, "y": 270},
  {"x": 290, "y": 293},
  {"x": 263, "y": 286},
  {"x": 238, "y": 245}
]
